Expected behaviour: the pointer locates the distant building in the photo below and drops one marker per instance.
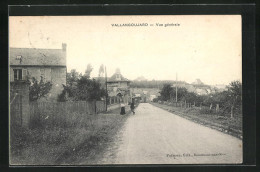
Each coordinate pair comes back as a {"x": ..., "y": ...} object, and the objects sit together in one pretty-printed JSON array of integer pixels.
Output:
[
  {"x": 197, "y": 82},
  {"x": 145, "y": 93},
  {"x": 152, "y": 97},
  {"x": 117, "y": 84},
  {"x": 219, "y": 87},
  {"x": 46, "y": 64},
  {"x": 140, "y": 78},
  {"x": 197, "y": 87}
]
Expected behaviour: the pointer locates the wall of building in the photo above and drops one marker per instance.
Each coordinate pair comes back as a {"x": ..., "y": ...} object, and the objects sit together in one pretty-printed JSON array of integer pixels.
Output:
[
  {"x": 55, "y": 75},
  {"x": 123, "y": 84},
  {"x": 58, "y": 77}
]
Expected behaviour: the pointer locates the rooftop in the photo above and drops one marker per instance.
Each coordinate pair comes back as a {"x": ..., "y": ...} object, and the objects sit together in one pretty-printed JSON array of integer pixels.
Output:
[
  {"x": 117, "y": 76},
  {"x": 36, "y": 56}
]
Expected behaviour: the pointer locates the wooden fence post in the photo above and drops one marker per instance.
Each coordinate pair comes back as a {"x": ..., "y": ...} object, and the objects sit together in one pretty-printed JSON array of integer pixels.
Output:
[
  {"x": 217, "y": 108},
  {"x": 95, "y": 106},
  {"x": 232, "y": 108}
]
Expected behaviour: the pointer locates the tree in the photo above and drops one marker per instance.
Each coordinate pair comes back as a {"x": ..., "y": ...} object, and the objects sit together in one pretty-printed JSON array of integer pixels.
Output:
[
  {"x": 70, "y": 90},
  {"x": 72, "y": 77},
  {"x": 88, "y": 70},
  {"x": 235, "y": 91},
  {"x": 101, "y": 71},
  {"x": 89, "y": 89},
  {"x": 190, "y": 97},
  {"x": 166, "y": 92},
  {"x": 228, "y": 100},
  {"x": 181, "y": 93},
  {"x": 81, "y": 88},
  {"x": 38, "y": 90}
]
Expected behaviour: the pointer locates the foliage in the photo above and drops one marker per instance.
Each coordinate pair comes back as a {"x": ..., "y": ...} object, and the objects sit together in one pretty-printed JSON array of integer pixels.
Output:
[
  {"x": 155, "y": 99},
  {"x": 38, "y": 90},
  {"x": 72, "y": 77},
  {"x": 88, "y": 70},
  {"x": 232, "y": 97},
  {"x": 81, "y": 87},
  {"x": 88, "y": 89},
  {"x": 190, "y": 97},
  {"x": 166, "y": 92},
  {"x": 227, "y": 99},
  {"x": 235, "y": 90},
  {"x": 181, "y": 93},
  {"x": 101, "y": 71},
  {"x": 169, "y": 93}
]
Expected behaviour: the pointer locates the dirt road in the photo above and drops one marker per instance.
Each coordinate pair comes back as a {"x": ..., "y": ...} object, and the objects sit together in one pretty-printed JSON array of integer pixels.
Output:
[{"x": 156, "y": 136}]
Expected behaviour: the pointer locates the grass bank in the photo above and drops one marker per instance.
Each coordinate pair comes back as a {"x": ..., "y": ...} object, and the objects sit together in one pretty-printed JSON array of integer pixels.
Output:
[
  {"x": 223, "y": 123},
  {"x": 79, "y": 139}
]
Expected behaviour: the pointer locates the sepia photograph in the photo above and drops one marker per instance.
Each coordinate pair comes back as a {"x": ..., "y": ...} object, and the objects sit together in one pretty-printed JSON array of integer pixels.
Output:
[{"x": 125, "y": 89}]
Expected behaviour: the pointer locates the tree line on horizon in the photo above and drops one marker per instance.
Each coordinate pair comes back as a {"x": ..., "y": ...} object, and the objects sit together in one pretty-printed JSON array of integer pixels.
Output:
[{"x": 153, "y": 83}]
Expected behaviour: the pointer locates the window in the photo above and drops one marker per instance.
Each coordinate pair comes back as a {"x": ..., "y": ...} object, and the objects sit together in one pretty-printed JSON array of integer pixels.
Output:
[{"x": 18, "y": 74}]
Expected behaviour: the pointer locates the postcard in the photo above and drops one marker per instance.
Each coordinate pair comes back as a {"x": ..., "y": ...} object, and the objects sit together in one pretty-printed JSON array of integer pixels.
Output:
[{"x": 125, "y": 89}]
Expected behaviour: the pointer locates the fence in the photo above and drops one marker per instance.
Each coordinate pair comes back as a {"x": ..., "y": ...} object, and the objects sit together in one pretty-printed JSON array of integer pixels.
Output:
[
  {"x": 60, "y": 108},
  {"x": 100, "y": 106},
  {"x": 205, "y": 109},
  {"x": 53, "y": 110}
]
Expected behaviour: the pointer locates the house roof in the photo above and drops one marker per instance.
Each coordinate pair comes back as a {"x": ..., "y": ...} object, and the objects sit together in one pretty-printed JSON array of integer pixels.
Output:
[
  {"x": 114, "y": 78},
  {"x": 35, "y": 56}
]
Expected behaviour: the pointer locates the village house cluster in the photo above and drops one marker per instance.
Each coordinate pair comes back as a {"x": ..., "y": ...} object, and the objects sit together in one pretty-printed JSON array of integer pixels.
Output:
[{"x": 49, "y": 65}]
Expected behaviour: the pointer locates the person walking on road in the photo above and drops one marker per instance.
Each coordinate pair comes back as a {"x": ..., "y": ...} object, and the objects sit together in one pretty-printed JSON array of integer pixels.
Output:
[
  {"x": 132, "y": 107},
  {"x": 122, "y": 108}
]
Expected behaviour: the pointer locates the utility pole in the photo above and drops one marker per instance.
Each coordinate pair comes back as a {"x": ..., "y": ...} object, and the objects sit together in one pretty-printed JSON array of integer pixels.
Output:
[
  {"x": 176, "y": 89},
  {"x": 106, "y": 86}
]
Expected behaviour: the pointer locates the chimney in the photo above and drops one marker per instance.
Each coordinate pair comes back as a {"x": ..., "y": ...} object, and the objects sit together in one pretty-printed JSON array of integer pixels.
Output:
[{"x": 64, "y": 47}]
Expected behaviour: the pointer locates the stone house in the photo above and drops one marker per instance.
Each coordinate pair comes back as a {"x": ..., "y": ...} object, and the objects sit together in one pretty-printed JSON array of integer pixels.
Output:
[{"x": 46, "y": 64}]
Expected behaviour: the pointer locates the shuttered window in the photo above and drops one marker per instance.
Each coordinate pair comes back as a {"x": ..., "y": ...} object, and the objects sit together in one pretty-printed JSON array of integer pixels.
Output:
[
  {"x": 24, "y": 74},
  {"x": 18, "y": 74}
]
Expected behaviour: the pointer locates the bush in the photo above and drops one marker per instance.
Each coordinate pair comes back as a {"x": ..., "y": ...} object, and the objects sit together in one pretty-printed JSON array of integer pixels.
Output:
[
  {"x": 155, "y": 100},
  {"x": 205, "y": 110}
]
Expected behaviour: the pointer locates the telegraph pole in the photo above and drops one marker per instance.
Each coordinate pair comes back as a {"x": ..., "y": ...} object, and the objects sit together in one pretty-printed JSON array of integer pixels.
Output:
[
  {"x": 176, "y": 89},
  {"x": 106, "y": 86}
]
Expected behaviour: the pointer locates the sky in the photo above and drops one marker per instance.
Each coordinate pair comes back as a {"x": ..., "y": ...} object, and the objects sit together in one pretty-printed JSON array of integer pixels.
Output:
[{"x": 207, "y": 47}]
